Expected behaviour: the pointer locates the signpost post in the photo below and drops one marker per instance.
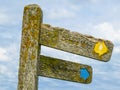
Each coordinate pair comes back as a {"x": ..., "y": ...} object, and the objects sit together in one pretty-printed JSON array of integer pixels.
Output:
[
  {"x": 35, "y": 34},
  {"x": 30, "y": 48}
]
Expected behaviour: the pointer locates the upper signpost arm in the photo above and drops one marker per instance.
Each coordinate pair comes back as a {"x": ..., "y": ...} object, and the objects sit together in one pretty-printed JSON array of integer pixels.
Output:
[{"x": 76, "y": 43}]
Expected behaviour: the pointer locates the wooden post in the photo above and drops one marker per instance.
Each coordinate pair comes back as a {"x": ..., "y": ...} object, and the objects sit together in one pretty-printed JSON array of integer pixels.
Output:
[{"x": 30, "y": 48}]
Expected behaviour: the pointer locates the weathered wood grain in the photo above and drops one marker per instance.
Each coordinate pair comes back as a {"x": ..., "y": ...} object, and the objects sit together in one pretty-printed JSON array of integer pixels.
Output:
[
  {"x": 29, "y": 53},
  {"x": 73, "y": 42},
  {"x": 61, "y": 69}
]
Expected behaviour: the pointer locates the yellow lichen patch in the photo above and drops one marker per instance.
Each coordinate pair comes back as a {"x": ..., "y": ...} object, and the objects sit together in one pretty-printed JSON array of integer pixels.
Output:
[
  {"x": 33, "y": 57},
  {"x": 100, "y": 48},
  {"x": 83, "y": 45}
]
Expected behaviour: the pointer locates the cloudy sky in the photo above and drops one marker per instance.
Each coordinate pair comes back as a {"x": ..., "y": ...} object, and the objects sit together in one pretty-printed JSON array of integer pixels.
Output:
[{"x": 99, "y": 18}]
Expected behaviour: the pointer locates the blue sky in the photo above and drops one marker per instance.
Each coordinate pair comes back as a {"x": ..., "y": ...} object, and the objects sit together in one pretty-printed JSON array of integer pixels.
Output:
[{"x": 99, "y": 18}]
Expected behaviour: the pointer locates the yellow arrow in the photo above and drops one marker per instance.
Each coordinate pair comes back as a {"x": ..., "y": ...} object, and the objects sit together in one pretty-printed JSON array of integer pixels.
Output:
[{"x": 100, "y": 48}]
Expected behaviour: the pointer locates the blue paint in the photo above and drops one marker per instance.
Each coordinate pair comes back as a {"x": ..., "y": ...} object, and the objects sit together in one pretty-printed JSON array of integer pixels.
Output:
[{"x": 84, "y": 73}]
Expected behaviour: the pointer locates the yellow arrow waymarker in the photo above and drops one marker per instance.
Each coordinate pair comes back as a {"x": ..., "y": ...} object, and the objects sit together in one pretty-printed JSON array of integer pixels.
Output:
[{"x": 100, "y": 48}]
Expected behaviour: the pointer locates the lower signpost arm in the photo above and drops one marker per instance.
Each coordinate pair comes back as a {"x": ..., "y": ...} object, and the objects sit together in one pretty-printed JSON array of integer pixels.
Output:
[{"x": 64, "y": 70}]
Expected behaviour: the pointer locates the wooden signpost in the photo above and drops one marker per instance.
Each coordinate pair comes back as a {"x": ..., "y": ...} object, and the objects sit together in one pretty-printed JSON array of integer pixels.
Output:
[{"x": 35, "y": 34}]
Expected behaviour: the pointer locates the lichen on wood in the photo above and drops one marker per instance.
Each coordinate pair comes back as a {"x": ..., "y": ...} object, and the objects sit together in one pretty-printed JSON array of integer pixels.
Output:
[
  {"x": 29, "y": 53},
  {"x": 73, "y": 42},
  {"x": 62, "y": 69}
]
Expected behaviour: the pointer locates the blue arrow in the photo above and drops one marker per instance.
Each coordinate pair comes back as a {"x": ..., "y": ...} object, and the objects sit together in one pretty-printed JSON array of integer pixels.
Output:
[{"x": 84, "y": 73}]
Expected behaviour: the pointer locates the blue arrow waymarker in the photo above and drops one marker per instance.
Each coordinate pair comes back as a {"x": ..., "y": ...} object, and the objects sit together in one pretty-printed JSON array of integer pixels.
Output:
[{"x": 84, "y": 73}]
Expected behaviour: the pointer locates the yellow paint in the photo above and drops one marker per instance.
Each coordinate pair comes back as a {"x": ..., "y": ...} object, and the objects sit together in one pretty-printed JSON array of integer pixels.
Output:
[{"x": 100, "y": 48}]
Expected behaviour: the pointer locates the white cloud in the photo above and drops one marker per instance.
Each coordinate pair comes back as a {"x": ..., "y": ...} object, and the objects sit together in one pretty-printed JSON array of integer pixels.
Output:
[
  {"x": 5, "y": 71},
  {"x": 7, "y": 18},
  {"x": 3, "y": 54},
  {"x": 94, "y": 1},
  {"x": 60, "y": 13},
  {"x": 51, "y": 81},
  {"x": 8, "y": 53},
  {"x": 4, "y": 18},
  {"x": 117, "y": 49},
  {"x": 6, "y": 35},
  {"x": 107, "y": 31},
  {"x": 8, "y": 63}
]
